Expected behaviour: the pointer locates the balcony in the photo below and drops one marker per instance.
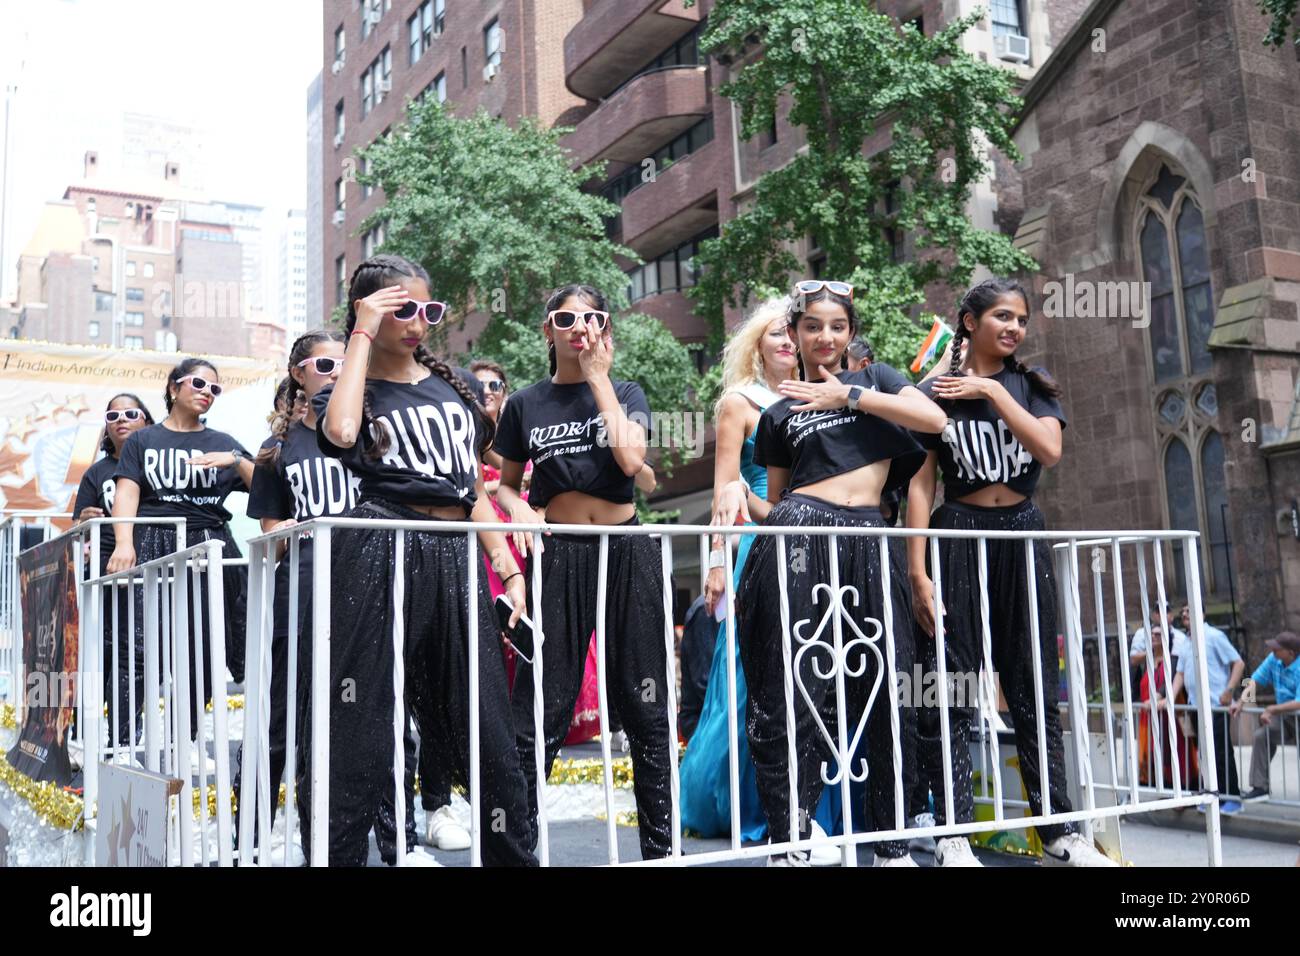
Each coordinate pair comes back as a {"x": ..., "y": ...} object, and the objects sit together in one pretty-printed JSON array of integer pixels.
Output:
[
  {"x": 674, "y": 310},
  {"x": 680, "y": 203},
  {"x": 617, "y": 36},
  {"x": 639, "y": 118}
]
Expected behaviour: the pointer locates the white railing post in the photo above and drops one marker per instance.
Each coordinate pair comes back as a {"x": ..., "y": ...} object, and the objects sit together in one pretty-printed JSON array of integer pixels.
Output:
[
  {"x": 399, "y": 697},
  {"x": 1209, "y": 770},
  {"x": 602, "y": 579},
  {"x": 321, "y": 690},
  {"x": 539, "y": 707},
  {"x": 674, "y": 782},
  {"x": 250, "y": 782}
]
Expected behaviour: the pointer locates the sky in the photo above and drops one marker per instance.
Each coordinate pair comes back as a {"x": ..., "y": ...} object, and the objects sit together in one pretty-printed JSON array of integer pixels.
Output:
[{"x": 235, "y": 70}]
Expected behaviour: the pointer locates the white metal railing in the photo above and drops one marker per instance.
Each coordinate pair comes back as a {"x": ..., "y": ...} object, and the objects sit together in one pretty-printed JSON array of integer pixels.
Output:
[
  {"x": 842, "y": 742},
  {"x": 161, "y": 605},
  {"x": 169, "y": 593},
  {"x": 1149, "y": 777}
]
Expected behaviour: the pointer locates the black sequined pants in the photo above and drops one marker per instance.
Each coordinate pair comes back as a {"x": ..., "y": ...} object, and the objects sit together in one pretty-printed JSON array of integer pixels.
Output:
[
  {"x": 436, "y": 651},
  {"x": 385, "y": 820},
  {"x": 866, "y": 679},
  {"x": 636, "y": 666},
  {"x": 156, "y": 541},
  {"x": 1011, "y": 648}
]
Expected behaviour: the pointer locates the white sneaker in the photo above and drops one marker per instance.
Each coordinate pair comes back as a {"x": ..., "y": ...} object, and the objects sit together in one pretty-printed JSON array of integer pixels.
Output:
[
  {"x": 824, "y": 853},
  {"x": 925, "y": 843},
  {"x": 955, "y": 851},
  {"x": 419, "y": 857},
  {"x": 209, "y": 765},
  {"x": 444, "y": 831},
  {"x": 1073, "y": 850},
  {"x": 789, "y": 859},
  {"x": 904, "y": 860}
]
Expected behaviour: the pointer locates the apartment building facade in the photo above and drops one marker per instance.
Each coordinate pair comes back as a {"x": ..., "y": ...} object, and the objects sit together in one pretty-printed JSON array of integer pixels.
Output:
[{"x": 504, "y": 57}]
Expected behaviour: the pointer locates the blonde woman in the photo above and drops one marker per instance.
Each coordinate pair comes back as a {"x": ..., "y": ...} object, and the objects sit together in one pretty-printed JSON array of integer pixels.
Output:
[{"x": 757, "y": 358}]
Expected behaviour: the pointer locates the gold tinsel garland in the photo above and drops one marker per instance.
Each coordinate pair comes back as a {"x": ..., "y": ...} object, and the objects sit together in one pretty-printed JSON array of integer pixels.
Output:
[
  {"x": 63, "y": 809},
  {"x": 590, "y": 770},
  {"x": 52, "y": 803}
]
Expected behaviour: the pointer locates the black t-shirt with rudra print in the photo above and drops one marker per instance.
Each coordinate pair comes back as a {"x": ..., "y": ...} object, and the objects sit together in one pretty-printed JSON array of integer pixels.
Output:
[
  {"x": 158, "y": 460},
  {"x": 302, "y": 482},
  {"x": 977, "y": 449},
  {"x": 432, "y": 456},
  {"x": 562, "y": 432},
  {"x": 816, "y": 445},
  {"x": 98, "y": 490}
]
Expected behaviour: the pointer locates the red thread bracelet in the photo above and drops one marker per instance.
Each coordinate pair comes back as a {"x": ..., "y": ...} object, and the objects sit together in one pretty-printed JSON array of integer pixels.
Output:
[{"x": 366, "y": 334}]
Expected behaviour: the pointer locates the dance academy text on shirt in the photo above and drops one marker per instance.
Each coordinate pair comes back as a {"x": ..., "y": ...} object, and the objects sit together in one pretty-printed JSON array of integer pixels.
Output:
[{"x": 566, "y": 438}]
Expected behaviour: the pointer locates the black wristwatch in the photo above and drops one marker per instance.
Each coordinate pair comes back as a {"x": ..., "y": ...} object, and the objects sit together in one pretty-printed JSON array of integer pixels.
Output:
[{"x": 855, "y": 396}]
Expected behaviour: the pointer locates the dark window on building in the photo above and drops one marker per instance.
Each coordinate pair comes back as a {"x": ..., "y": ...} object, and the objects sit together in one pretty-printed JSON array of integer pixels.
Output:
[
  {"x": 670, "y": 272},
  {"x": 492, "y": 43}
]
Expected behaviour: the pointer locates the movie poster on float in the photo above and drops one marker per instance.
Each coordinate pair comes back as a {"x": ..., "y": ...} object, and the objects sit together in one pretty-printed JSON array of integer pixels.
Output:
[{"x": 48, "y": 587}]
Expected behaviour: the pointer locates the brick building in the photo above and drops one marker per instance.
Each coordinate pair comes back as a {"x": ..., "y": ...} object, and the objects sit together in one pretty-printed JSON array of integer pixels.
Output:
[
  {"x": 1160, "y": 143},
  {"x": 503, "y": 57},
  {"x": 138, "y": 263},
  {"x": 1142, "y": 135}
]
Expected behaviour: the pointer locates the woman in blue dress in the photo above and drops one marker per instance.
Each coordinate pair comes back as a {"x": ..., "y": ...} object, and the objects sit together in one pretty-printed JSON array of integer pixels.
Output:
[{"x": 758, "y": 356}]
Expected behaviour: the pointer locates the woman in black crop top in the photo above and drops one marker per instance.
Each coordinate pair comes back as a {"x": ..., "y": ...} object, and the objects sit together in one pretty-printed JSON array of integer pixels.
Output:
[
  {"x": 1003, "y": 426},
  {"x": 413, "y": 431},
  {"x": 180, "y": 468},
  {"x": 831, "y": 447},
  {"x": 583, "y": 433}
]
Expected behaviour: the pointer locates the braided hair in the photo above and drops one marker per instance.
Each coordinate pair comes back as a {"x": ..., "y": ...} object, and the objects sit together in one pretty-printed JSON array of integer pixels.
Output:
[
  {"x": 976, "y": 302},
  {"x": 186, "y": 367},
  {"x": 799, "y": 303},
  {"x": 106, "y": 443},
  {"x": 287, "y": 394},
  {"x": 372, "y": 275},
  {"x": 591, "y": 295}
]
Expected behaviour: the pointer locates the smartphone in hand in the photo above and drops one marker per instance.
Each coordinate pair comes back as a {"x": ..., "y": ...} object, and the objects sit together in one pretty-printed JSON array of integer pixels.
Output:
[{"x": 521, "y": 635}]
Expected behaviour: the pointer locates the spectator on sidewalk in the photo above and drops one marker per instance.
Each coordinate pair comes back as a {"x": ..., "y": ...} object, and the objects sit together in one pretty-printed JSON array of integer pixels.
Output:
[
  {"x": 1137, "y": 647},
  {"x": 696, "y": 657},
  {"x": 1281, "y": 671},
  {"x": 1224, "y": 668}
]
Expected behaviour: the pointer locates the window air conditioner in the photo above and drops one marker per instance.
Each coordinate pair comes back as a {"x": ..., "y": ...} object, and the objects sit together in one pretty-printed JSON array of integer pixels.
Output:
[
  {"x": 1012, "y": 47},
  {"x": 338, "y": 218}
]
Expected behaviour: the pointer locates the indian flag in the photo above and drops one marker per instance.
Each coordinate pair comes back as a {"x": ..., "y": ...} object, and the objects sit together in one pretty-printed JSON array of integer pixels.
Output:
[{"x": 933, "y": 345}]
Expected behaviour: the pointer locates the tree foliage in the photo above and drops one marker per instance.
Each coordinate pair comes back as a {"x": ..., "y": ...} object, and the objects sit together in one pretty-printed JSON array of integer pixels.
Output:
[
  {"x": 850, "y": 74},
  {"x": 494, "y": 212},
  {"x": 1281, "y": 14},
  {"x": 498, "y": 217}
]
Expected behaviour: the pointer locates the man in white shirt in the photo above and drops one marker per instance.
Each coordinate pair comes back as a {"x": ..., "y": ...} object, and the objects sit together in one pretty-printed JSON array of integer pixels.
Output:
[{"x": 1224, "y": 668}]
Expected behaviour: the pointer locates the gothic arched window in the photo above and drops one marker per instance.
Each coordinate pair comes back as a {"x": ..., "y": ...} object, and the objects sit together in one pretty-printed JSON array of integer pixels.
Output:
[{"x": 1175, "y": 263}]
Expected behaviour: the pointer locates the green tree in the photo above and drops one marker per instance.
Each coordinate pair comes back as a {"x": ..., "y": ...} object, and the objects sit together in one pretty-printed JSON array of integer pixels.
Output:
[
  {"x": 496, "y": 215},
  {"x": 850, "y": 73},
  {"x": 1281, "y": 14},
  {"x": 498, "y": 218}
]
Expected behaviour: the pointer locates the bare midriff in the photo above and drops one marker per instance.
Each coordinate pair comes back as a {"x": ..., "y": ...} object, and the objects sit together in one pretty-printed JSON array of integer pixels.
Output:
[
  {"x": 445, "y": 512},
  {"x": 859, "y": 488},
  {"x": 994, "y": 496},
  {"x": 576, "y": 507}
]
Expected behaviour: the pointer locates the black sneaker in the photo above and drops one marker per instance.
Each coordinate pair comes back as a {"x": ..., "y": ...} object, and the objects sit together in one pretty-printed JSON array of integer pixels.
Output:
[{"x": 1254, "y": 795}]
